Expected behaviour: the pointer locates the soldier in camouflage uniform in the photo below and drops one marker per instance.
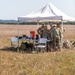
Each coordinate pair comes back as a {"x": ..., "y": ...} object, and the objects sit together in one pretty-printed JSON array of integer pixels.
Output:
[
  {"x": 59, "y": 36},
  {"x": 55, "y": 36},
  {"x": 40, "y": 31},
  {"x": 50, "y": 36}
]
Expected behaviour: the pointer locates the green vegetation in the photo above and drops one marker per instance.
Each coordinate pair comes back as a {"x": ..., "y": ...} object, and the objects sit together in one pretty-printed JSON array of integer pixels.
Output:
[{"x": 32, "y": 23}]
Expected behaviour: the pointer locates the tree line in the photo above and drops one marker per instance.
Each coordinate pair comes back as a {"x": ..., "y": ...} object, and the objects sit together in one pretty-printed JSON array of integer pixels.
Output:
[{"x": 35, "y": 23}]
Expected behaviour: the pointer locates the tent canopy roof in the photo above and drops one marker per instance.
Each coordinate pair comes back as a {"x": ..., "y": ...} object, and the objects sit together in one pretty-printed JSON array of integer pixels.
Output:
[{"x": 48, "y": 12}]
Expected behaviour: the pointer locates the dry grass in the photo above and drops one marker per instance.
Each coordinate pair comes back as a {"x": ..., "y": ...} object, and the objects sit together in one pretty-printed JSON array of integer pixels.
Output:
[
  {"x": 56, "y": 63},
  {"x": 52, "y": 63}
]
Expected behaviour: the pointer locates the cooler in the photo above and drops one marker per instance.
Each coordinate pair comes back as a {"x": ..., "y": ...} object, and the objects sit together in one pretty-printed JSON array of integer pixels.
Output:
[{"x": 32, "y": 34}]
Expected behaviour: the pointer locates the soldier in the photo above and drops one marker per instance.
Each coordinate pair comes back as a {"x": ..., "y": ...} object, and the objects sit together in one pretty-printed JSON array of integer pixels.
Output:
[
  {"x": 57, "y": 36},
  {"x": 50, "y": 37},
  {"x": 40, "y": 31}
]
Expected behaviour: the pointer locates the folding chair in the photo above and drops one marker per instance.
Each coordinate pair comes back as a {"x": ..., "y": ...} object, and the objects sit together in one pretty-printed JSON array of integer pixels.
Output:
[
  {"x": 14, "y": 42},
  {"x": 41, "y": 44}
]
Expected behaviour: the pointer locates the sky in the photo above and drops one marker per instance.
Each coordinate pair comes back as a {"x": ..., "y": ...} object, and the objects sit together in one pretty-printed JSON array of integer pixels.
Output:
[{"x": 12, "y": 9}]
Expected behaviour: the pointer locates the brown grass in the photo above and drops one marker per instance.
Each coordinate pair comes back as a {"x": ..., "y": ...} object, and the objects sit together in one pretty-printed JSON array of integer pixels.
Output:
[
  {"x": 11, "y": 30},
  {"x": 52, "y": 63}
]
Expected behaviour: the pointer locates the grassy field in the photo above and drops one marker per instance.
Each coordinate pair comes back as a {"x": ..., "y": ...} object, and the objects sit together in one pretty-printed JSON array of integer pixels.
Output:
[{"x": 52, "y": 63}]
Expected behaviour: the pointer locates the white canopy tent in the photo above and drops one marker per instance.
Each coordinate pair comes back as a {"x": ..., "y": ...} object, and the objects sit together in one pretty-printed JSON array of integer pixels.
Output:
[{"x": 48, "y": 12}]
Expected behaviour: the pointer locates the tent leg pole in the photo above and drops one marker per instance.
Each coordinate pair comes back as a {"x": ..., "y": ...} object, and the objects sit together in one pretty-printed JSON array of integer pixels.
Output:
[
  {"x": 61, "y": 35},
  {"x": 38, "y": 23},
  {"x": 18, "y": 35}
]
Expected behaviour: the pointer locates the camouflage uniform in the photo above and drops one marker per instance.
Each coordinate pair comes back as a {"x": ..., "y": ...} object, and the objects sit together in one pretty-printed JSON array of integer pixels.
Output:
[
  {"x": 50, "y": 37},
  {"x": 55, "y": 36},
  {"x": 41, "y": 31},
  {"x": 50, "y": 33},
  {"x": 45, "y": 32}
]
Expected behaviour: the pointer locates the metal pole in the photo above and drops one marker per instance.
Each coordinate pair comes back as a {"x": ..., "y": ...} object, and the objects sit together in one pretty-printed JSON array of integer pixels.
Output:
[
  {"x": 61, "y": 33},
  {"x": 38, "y": 23},
  {"x": 18, "y": 35}
]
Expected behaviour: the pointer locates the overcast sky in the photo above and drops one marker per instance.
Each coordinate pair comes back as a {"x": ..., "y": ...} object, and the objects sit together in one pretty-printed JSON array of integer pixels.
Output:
[{"x": 11, "y": 9}]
